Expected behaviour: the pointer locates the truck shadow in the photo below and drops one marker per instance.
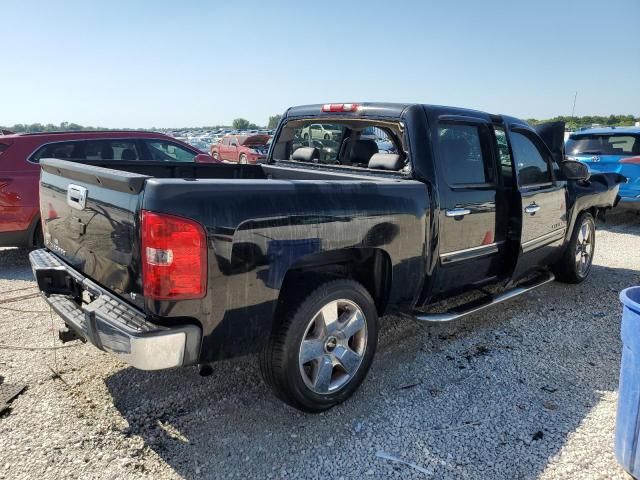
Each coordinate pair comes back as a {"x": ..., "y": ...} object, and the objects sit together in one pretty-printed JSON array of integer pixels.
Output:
[
  {"x": 496, "y": 394},
  {"x": 14, "y": 264}
]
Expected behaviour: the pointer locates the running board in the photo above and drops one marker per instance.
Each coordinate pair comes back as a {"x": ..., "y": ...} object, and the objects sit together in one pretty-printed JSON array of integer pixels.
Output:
[{"x": 455, "y": 314}]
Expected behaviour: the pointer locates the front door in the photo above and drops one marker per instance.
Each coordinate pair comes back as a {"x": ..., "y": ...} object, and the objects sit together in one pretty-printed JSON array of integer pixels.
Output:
[
  {"x": 472, "y": 227},
  {"x": 542, "y": 202}
]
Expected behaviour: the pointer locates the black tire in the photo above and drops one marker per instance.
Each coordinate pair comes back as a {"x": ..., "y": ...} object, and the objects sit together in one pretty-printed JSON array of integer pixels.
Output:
[
  {"x": 327, "y": 136},
  {"x": 567, "y": 269},
  {"x": 281, "y": 360},
  {"x": 306, "y": 136},
  {"x": 215, "y": 155}
]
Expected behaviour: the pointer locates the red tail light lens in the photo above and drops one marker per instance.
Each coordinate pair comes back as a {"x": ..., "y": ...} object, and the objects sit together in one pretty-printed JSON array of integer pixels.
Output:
[
  {"x": 633, "y": 160},
  {"x": 174, "y": 257}
]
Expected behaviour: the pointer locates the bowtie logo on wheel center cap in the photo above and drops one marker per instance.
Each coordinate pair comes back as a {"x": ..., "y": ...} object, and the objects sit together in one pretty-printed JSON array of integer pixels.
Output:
[{"x": 331, "y": 344}]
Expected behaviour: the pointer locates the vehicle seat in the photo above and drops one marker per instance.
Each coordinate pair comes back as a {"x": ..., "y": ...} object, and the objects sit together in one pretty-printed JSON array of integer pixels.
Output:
[
  {"x": 386, "y": 161},
  {"x": 306, "y": 154},
  {"x": 106, "y": 153},
  {"x": 362, "y": 151},
  {"x": 128, "y": 154}
]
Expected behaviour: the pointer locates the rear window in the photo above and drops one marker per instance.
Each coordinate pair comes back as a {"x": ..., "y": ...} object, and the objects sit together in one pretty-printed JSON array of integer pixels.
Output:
[
  {"x": 598, "y": 144},
  {"x": 339, "y": 142}
]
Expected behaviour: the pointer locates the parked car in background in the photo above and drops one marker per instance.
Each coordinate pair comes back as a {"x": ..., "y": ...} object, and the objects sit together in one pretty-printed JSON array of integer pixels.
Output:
[
  {"x": 321, "y": 132},
  {"x": 20, "y": 170},
  {"x": 613, "y": 149},
  {"x": 241, "y": 148}
]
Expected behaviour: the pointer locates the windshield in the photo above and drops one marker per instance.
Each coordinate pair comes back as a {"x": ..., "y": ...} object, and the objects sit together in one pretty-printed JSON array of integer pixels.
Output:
[{"x": 603, "y": 144}]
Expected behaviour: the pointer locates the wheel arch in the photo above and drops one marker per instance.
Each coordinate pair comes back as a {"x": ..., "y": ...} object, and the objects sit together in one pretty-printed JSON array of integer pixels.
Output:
[{"x": 369, "y": 266}]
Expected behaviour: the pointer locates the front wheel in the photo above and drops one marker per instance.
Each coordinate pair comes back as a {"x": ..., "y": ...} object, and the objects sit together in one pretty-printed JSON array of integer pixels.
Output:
[
  {"x": 243, "y": 159},
  {"x": 576, "y": 261},
  {"x": 324, "y": 347}
]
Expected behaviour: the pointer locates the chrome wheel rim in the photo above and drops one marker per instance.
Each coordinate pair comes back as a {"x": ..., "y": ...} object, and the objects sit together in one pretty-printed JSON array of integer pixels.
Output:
[
  {"x": 333, "y": 346},
  {"x": 584, "y": 248}
]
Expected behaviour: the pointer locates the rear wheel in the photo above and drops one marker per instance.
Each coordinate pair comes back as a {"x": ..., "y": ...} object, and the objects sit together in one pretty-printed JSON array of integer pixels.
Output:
[
  {"x": 243, "y": 159},
  {"x": 215, "y": 155},
  {"x": 576, "y": 261},
  {"x": 327, "y": 136},
  {"x": 323, "y": 349}
]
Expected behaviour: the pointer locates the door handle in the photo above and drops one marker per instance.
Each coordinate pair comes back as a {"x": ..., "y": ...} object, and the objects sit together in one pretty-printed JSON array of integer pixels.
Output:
[
  {"x": 531, "y": 209},
  {"x": 457, "y": 212}
]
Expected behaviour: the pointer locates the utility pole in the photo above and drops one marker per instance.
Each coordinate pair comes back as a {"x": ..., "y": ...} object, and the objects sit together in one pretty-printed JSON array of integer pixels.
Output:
[{"x": 573, "y": 110}]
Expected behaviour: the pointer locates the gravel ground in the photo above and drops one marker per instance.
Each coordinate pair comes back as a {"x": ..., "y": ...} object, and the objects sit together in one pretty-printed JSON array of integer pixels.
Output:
[{"x": 525, "y": 390}]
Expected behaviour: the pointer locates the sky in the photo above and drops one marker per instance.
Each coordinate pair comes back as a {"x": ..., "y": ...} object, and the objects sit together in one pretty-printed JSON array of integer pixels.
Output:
[{"x": 143, "y": 64}]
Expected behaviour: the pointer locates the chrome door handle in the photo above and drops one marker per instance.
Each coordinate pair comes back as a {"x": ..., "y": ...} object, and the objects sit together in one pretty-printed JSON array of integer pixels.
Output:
[
  {"x": 457, "y": 212},
  {"x": 531, "y": 209}
]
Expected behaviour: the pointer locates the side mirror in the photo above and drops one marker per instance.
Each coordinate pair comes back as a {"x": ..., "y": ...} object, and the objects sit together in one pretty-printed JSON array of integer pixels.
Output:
[
  {"x": 574, "y": 170},
  {"x": 204, "y": 158}
]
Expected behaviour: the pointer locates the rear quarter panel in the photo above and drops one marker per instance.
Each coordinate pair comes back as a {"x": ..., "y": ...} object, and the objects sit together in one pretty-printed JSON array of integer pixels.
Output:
[{"x": 258, "y": 230}]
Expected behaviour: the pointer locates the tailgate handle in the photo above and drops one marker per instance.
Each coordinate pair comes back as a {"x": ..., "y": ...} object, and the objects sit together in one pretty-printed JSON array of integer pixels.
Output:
[
  {"x": 76, "y": 196},
  {"x": 531, "y": 209},
  {"x": 457, "y": 212}
]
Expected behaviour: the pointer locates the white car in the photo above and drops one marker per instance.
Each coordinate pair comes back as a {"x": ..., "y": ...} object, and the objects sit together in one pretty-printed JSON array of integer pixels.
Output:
[{"x": 320, "y": 132}]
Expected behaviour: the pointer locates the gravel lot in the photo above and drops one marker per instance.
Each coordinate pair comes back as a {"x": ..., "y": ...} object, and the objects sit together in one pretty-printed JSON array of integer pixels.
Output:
[{"x": 525, "y": 390}]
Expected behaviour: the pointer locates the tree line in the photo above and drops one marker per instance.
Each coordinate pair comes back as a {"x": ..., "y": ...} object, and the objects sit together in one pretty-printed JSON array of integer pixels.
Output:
[{"x": 572, "y": 123}]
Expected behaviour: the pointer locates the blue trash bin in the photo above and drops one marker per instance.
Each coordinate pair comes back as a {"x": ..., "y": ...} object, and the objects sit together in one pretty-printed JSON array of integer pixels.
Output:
[{"x": 628, "y": 420}]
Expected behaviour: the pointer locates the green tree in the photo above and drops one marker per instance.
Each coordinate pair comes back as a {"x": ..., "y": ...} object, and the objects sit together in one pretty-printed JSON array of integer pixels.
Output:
[
  {"x": 274, "y": 121},
  {"x": 240, "y": 124}
]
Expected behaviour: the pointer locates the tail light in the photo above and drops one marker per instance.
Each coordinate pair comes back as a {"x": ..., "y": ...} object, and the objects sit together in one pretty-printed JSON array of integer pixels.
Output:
[
  {"x": 632, "y": 160},
  {"x": 340, "y": 107},
  {"x": 174, "y": 257}
]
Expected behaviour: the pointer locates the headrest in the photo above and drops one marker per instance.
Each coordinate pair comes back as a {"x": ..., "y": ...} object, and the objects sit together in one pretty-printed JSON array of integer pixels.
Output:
[
  {"x": 128, "y": 154},
  {"x": 107, "y": 152},
  {"x": 306, "y": 154},
  {"x": 363, "y": 150},
  {"x": 386, "y": 161}
]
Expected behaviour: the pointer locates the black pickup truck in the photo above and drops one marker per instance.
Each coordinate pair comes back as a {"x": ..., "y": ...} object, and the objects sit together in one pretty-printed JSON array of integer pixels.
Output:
[{"x": 424, "y": 211}]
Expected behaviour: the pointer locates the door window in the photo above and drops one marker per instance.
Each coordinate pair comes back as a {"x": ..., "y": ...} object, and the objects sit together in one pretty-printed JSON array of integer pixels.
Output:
[
  {"x": 61, "y": 150},
  {"x": 161, "y": 150},
  {"x": 462, "y": 155},
  {"x": 110, "y": 150},
  {"x": 531, "y": 165}
]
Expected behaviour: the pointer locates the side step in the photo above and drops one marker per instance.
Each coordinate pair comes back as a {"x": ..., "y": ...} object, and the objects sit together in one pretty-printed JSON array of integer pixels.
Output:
[{"x": 473, "y": 307}]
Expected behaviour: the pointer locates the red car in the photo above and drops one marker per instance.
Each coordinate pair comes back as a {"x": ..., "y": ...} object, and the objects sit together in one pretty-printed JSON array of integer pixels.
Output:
[
  {"x": 20, "y": 172},
  {"x": 241, "y": 148}
]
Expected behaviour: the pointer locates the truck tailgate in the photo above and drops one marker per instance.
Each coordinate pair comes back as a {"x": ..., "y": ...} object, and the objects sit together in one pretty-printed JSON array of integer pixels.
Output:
[{"x": 90, "y": 217}]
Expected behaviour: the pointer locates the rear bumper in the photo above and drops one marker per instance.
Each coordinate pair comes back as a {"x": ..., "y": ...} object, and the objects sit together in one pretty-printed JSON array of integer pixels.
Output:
[{"x": 109, "y": 323}]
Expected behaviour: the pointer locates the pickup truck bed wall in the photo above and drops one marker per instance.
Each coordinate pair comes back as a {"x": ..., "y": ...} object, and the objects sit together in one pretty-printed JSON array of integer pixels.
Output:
[{"x": 356, "y": 219}]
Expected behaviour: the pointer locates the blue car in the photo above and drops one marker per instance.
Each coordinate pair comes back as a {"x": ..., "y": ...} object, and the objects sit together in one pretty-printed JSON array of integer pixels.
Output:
[{"x": 613, "y": 149}]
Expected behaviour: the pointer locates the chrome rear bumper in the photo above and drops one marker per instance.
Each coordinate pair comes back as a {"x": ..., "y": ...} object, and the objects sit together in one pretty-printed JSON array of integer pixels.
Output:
[{"x": 110, "y": 323}]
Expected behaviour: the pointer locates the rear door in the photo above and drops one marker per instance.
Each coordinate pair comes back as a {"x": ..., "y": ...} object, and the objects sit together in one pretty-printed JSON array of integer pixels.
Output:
[
  {"x": 472, "y": 224},
  {"x": 541, "y": 202}
]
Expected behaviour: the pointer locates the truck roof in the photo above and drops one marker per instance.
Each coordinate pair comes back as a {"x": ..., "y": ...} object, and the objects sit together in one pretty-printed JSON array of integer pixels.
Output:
[{"x": 377, "y": 109}]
